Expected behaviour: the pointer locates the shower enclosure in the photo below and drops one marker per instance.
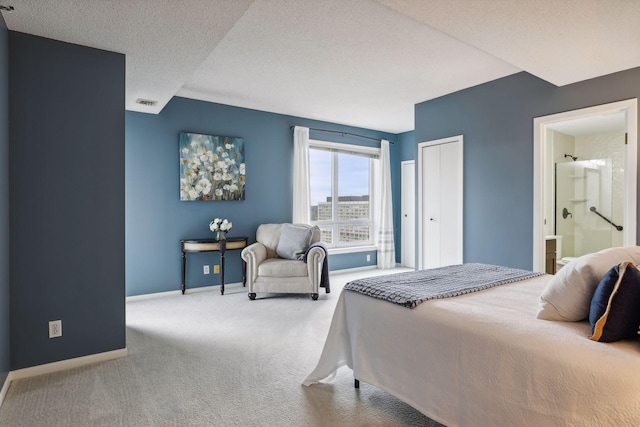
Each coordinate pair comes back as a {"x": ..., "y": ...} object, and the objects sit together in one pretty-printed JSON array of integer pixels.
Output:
[{"x": 585, "y": 212}]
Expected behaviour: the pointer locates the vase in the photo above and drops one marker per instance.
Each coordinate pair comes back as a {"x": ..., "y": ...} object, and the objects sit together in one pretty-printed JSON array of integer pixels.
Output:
[{"x": 221, "y": 235}]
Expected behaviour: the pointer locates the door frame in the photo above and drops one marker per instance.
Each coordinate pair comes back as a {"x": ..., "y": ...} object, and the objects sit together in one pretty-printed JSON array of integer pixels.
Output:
[
  {"x": 630, "y": 106},
  {"x": 420, "y": 219},
  {"x": 402, "y": 194}
]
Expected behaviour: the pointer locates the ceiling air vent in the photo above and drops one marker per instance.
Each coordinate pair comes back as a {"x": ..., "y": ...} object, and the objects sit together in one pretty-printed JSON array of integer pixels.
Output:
[{"x": 147, "y": 102}]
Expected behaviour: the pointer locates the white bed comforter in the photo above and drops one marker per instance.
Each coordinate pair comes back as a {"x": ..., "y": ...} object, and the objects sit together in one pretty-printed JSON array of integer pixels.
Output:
[{"x": 483, "y": 359}]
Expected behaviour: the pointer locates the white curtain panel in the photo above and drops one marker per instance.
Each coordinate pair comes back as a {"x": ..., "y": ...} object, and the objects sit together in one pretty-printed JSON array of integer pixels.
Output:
[
  {"x": 301, "y": 209},
  {"x": 384, "y": 211}
]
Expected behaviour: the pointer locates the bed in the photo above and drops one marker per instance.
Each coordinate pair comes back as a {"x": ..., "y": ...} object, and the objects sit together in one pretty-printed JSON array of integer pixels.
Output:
[{"x": 484, "y": 359}]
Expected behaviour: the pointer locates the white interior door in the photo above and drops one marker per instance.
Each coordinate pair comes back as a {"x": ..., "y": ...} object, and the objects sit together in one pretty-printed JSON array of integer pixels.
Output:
[
  {"x": 431, "y": 206},
  {"x": 440, "y": 192},
  {"x": 408, "y": 223}
]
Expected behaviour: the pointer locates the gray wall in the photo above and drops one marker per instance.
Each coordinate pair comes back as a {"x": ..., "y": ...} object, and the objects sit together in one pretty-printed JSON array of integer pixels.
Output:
[
  {"x": 66, "y": 180},
  {"x": 496, "y": 120},
  {"x": 4, "y": 202}
]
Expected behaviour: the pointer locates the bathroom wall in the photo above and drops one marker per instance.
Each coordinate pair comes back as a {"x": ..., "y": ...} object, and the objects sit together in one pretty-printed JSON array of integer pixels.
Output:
[
  {"x": 563, "y": 190},
  {"x": 549, "y": 182}
]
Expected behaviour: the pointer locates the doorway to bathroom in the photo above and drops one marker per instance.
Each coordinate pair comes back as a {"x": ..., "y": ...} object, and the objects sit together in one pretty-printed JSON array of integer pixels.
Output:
[{"x": 585, "y": 182}]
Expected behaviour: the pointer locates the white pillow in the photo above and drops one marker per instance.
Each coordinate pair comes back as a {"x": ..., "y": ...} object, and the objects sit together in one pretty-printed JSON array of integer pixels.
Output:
[{"x": 568, "y": 294}]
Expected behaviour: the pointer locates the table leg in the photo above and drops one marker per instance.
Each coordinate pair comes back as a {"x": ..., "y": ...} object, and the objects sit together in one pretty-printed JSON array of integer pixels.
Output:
[
  {"x": 184, "y": 266},
  {"x": 223, "y": 248}
]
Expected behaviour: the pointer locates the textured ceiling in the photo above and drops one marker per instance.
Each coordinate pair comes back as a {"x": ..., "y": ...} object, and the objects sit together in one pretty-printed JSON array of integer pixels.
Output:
[
  {"x": 560, "y": 41},
  {"x": 358, "y": 62}
]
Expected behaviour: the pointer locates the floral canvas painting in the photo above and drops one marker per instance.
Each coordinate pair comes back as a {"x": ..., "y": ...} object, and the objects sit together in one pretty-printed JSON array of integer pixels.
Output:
[{"x": 211, "y": 167}]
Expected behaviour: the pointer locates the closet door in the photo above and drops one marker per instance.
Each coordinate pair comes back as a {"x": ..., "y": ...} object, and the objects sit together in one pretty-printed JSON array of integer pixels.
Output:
[
  {"x": 408, "y": 213},
  {"x": 431, "y": 206},
  {"x": 441, "y": 202}
]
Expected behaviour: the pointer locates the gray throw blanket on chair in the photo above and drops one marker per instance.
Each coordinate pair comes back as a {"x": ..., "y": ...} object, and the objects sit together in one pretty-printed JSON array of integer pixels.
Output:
[{"x": 324, "y": 275}]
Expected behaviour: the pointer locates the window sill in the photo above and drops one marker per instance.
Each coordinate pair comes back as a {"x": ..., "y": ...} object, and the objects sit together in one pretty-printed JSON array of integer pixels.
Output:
[{"x": 351, "y": 249}]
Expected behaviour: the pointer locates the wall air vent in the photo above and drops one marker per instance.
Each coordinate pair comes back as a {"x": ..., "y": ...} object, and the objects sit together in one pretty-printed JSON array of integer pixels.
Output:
[{"x": 147, "y": 102}]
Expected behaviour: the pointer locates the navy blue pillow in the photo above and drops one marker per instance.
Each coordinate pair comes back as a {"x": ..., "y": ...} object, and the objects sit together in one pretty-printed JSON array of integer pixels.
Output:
[{"x": 615, "y": 307}]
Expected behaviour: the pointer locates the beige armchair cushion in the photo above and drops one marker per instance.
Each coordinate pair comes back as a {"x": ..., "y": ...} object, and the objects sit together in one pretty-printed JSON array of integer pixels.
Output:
[{"x": 277, "y": 267}]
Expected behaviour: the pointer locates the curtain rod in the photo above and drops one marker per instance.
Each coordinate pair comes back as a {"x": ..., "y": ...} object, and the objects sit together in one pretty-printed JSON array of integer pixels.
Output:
[{"x": 345, "y": 133}]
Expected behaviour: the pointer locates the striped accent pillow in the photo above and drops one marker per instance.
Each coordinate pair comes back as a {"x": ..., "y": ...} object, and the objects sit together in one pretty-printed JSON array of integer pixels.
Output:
[{"x": 615, "y": 307}]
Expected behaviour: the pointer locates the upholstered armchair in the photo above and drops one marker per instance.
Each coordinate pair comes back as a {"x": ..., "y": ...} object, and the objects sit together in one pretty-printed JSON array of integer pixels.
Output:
[{"x": 275, "y": 262}]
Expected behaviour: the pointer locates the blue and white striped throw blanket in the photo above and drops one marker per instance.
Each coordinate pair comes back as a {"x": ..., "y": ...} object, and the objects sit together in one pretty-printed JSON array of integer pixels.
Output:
[{"x": 412, "y": 288}]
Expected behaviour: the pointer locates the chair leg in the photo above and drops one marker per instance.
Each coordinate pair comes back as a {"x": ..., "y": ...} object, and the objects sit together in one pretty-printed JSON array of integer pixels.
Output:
[
  {"x": 356, "y": 383},
  {"x": 314, "y": 297},
  {"x": 252, "y": 296}
]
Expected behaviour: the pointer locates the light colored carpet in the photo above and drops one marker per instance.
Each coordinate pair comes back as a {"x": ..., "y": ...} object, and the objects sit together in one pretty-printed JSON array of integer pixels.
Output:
[{"x": 204, "y": 359}]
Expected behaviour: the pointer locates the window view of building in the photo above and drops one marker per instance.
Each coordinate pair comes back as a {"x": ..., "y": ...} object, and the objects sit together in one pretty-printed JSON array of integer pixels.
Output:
[
  {"x": 344, "y": 177},
  {"x": 349, "y": 208}
]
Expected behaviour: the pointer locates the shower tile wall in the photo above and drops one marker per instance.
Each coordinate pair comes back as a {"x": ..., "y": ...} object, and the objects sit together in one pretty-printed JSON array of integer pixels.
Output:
[
  {"x": 587, "y": 147},
  {"x": 606, "y": 146}
]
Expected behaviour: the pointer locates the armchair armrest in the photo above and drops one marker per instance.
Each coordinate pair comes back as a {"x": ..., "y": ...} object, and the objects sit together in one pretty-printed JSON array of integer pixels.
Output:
[
  {"x": 253, "y": 255},
  {"x": 315, "y": 257}
]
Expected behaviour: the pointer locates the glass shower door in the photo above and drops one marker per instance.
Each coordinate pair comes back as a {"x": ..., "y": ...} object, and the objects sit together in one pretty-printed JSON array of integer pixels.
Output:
[{"x": 585, "y": 212}]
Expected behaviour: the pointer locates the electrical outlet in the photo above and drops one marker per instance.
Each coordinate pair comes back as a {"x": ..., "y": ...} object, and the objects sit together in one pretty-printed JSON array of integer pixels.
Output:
[
  {"x": 205, "y": 269},
  {"x": 216, "y": 269},
  {"x": 368, "y": 257},
  {"x": 55, "y": 328}
]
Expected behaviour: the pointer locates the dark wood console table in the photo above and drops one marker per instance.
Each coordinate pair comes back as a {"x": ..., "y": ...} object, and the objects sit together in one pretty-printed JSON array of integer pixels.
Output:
[{"x": 212, "y": 245}]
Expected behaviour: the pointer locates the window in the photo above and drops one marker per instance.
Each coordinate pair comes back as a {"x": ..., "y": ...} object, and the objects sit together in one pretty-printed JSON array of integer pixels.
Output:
[{"x": 341, "y": 190}]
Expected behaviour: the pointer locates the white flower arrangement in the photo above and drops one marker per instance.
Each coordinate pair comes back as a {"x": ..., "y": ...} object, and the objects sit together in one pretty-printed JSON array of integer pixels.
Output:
[{"x": 218, "y": 225}]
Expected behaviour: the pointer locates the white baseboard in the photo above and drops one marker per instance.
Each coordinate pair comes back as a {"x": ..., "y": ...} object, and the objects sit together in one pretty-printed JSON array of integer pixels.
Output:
[
  {"x": 61, "y": 365},
  {"x": 353, "y": 270},
  {"x": 178, "y": 292},
  {"x": 356, "y": 269},
  {"x": 5, "y": 388}
]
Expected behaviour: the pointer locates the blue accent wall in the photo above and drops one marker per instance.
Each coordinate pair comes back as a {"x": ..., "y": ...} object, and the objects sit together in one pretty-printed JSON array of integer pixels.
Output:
[
  {"x": 156, "y": 220},
  {"x": 66, "y": 192},
  {"x": 496, "y": 120},
  {"x": 407, "y": 147},
  {"x": 4, "y": 203}
]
